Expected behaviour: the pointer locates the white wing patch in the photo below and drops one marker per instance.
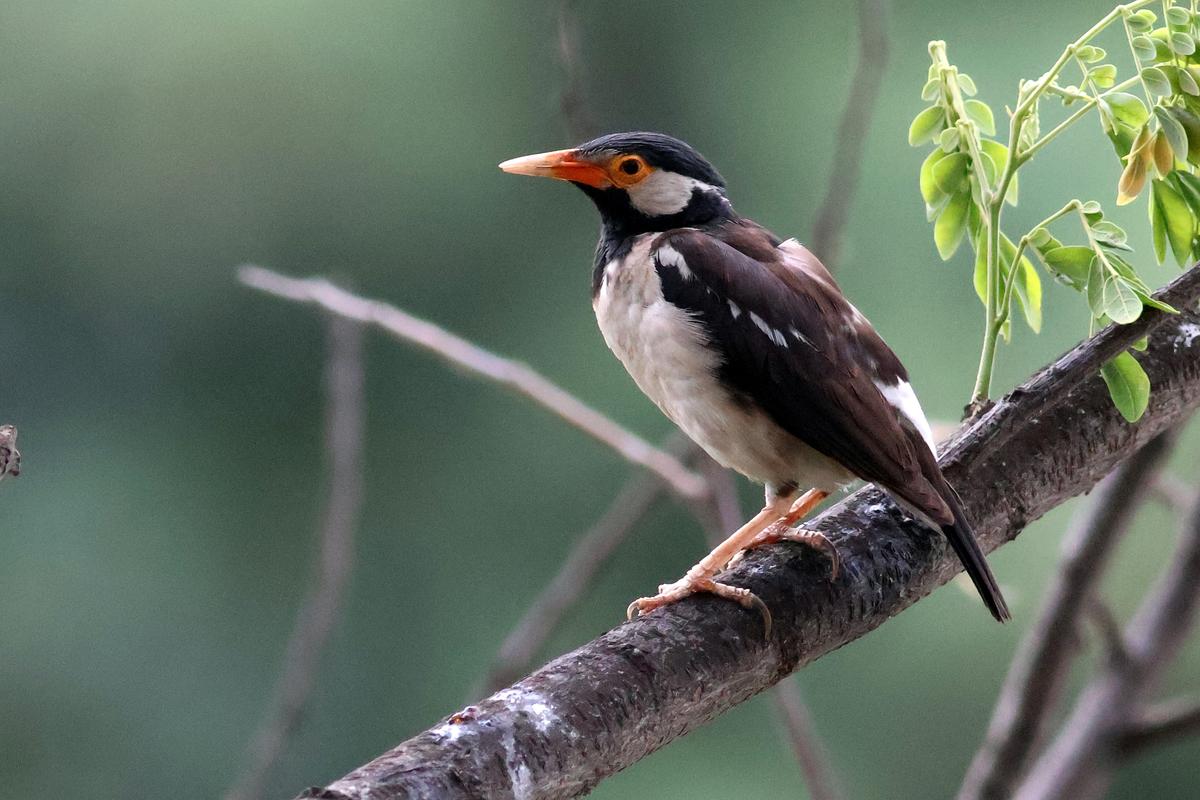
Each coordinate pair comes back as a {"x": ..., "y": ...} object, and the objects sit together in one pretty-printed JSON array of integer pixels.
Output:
[
  {"x": 902, "y": 398},
  {"x": 772, "y": 334},
  {"x": 670, "y": 257}
]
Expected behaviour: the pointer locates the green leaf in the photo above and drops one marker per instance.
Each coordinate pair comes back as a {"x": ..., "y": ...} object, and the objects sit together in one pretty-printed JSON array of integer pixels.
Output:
[
  {"x": 966, "y": 84},
  {"x": 1128, "y": 386},
  {"x": 1178, "y": 16},
  {"x": 1104, "y": 76},
  {"x": 1121, "y": 302},
  {"x": 1090, "y": 207},
  {"x": 931, "y": 90},
  {"x": 1040, "y": 237},
  {"x": 981, "y": 113},
  {"x": 929, "y": 187},
  {"x": 1029, "y": 293},
  {"x": 1182, "y": 43},
  {"x": 1097, "y": 277},
  {"x": 1069, "y": 264},
  {"x": 1177, "y": 219},
  {"x": 999, "y": 153},
  {"x": 1190, "y": 122},
  {"x": 926, "y": 125},
  {"x": 948, "y": 140},
  {"x": 1156, "y": 81},
  {"x": 1174, "y": 132},
  {"x": 951, "y": 224},
  {"x": 1158, "y": 229},
  {"x": 1127, "y": 109},
  {"x": 1142, "y": 21},
  {"x": 1111, "y": 234},
  {"x": 1141, "y": 344},
  {"x": 1089, "y": 54},
  {"x": 1187, "y": 83},
  {"x": 1143, "y": 47},
  {"x": 950, "y": 173}
]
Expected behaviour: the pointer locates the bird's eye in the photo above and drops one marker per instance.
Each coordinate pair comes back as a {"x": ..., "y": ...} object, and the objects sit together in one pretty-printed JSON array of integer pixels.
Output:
[{"x": 627, "y": 169}]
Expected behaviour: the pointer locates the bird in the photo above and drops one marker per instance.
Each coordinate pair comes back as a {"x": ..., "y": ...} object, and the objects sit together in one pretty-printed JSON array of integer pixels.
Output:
[{"x": 747, "y": 343}]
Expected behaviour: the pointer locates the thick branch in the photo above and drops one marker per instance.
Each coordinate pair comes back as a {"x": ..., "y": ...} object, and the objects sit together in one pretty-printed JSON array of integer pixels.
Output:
[
  {"x": 1041, "y": 666},
  {"x": 474, "y": 359},
  {"x": 638, "y": 687}
]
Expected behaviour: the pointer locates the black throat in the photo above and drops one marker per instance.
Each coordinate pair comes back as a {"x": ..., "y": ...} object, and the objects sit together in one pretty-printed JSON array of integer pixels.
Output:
[{"x": 621, "y": 222}]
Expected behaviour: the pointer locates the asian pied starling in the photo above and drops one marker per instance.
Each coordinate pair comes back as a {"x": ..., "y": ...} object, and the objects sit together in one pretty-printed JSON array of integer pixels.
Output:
[{"x": 746, "y": 342}]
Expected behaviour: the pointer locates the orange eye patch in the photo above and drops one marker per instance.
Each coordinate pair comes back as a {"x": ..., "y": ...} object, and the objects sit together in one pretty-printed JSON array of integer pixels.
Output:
[{"x": 628, "y": 169}]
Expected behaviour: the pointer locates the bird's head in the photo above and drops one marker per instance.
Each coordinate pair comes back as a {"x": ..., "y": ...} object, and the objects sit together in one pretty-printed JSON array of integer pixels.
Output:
[{"x": 639, "y": 181}]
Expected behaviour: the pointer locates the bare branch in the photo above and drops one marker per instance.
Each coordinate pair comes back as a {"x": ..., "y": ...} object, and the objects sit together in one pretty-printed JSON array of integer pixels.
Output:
[
  {"x": 1041, "y": 666},
  {"x": 345, "y": 420},
  {"x": 573, "y": 100},
  {"x": 474, "y": 359},
  {"x": 1079, "y": 764},
  {"x": 806, "y": 745},
  {"x": 1173, "y": 491},
  {"x": 578, "y": 572},
  {"x": 1161, "y": 723},
  {"x": 10, "y": 456},
  {"x": 595, "y": 711},
  {"x": 852, "y": 131}
]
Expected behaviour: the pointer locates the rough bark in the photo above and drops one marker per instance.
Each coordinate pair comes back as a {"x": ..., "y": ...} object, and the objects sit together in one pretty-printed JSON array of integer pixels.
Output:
[{"x": 606, "y": 705}]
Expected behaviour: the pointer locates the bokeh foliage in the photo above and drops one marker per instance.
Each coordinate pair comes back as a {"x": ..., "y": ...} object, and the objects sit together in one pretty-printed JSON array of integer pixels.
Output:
[{"x": 154, "y": 549}]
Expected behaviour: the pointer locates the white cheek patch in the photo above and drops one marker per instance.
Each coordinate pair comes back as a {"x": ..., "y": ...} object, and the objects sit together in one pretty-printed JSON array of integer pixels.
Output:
[
  {"x": 904, "y": 400},
  {"x": 663, "y": 193}
]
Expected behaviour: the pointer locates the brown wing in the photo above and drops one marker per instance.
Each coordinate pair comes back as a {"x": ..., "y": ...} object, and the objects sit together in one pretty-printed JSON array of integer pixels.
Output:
[{"x": 791, "y": 343}]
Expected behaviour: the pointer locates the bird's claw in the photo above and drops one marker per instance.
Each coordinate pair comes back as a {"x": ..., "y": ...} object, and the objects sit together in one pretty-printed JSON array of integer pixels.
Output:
[
  {"x": 672, "y": 592},
  {"x": 814, "y": 539}
]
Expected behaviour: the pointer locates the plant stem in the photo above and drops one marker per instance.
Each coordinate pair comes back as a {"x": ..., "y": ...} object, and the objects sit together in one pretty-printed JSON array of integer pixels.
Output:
[{"x": 993, "y": 202}]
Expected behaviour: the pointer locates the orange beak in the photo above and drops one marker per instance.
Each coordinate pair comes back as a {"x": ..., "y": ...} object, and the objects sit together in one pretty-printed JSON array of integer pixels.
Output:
[{"x": 560, "y": 164}]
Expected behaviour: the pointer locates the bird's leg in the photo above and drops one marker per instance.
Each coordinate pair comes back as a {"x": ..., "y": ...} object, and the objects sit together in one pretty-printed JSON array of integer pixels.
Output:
[
  {"x": 699, "y": 577},
  {"x": 781, "y": 530}
]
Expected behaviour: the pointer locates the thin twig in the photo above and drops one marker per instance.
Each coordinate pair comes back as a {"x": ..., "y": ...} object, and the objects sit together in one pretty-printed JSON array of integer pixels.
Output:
[
  {"x": 10, "y": 456},
  {"x": 573, "y": 99},
  {"x": 1041, "y": 666},
  {"x": 474, "y": 359},
  {"x": 345, "y": 421},
  {"x": 1161, "y": 723},
  {"x": 852, "y": 131},
  {"x": 578, "y": 572},
  {"x": 1172, "y": 491},
  {"x": 1080, "y": 763},
  {"x": 806, "y": 745}
]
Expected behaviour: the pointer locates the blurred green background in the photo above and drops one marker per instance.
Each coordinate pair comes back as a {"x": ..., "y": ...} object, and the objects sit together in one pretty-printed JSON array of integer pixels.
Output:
[{"x": 155, "y": 550}]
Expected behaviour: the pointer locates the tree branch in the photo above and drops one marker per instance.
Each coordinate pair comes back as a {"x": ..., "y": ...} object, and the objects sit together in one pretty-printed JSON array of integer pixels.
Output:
[
  {"x": 477, "y": 361},
  {"x": 345, "y": 421},
  {"x": 852, "y": 131},
  {"x": 573, "y": 98},
  {"x": 1160, "y": 723},
  {"x": 1040, "y": 669},
  {"x": 10, "y": 456},
  {"x": 597, "y": 710},
  {"x": 1079, "y": 764}
]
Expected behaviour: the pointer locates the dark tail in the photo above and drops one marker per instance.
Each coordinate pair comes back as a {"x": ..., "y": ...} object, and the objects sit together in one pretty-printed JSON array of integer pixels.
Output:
[{"x": 962, "y": 539}]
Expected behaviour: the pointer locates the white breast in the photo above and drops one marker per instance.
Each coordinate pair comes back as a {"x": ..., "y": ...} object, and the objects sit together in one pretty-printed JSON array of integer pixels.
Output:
[{"x": 665, "y": 352}]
